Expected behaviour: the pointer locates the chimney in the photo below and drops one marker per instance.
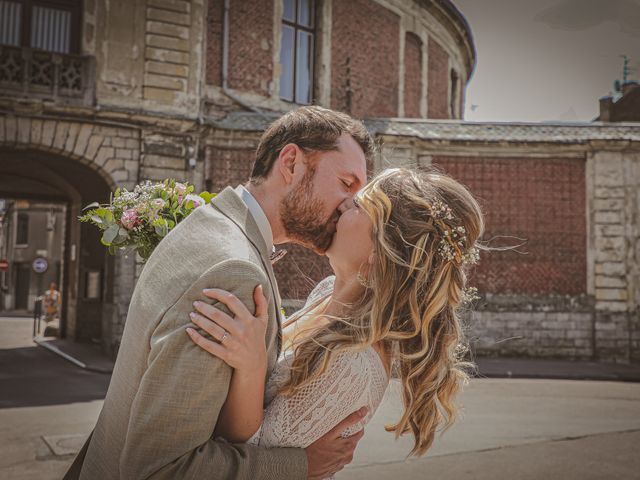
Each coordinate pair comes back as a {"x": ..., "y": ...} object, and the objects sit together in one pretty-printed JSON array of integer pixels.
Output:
[
  {"x": 606, "y": 107},
  {"x": 628, "y": 86}
]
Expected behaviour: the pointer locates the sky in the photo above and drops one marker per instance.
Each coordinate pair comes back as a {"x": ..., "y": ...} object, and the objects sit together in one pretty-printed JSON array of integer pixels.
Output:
[{"x": 548, "y": 60}]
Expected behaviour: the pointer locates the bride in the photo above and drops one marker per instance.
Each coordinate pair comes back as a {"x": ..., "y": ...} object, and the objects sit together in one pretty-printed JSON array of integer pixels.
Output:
[{"x": 400, "y": 258}]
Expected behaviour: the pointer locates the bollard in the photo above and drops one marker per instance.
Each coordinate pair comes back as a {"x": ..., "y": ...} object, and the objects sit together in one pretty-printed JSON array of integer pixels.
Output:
[{"x": 37, "y": 315}]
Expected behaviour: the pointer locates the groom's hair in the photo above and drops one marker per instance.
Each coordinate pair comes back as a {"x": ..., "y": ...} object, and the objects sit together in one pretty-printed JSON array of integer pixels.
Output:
[{"x": 313, "y": 129}]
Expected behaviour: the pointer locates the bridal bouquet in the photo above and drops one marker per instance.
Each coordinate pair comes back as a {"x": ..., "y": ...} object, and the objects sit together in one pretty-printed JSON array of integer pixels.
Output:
[{"x": 141, "y": 218}]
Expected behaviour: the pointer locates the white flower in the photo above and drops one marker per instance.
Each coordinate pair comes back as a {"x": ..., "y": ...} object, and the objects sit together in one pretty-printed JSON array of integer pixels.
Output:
[{"x": 197, "y": 200}]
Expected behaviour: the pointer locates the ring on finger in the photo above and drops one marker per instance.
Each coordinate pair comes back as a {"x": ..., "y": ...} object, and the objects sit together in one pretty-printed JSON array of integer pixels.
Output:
[{"x": 224, "y": 337}]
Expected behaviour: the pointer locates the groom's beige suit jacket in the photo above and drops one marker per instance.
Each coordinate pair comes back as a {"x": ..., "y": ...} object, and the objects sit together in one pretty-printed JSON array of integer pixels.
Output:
[{"x": 166, "y": 393}]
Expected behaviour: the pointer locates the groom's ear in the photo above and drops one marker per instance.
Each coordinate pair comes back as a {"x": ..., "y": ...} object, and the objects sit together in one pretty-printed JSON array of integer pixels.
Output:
[{"x": 286, "y": 162}]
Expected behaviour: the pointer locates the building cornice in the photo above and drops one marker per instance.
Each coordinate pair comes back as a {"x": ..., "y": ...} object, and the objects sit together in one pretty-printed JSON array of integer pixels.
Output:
[
  {"x": 461, "y": 131},
  {"x": 451, "y": 18}
]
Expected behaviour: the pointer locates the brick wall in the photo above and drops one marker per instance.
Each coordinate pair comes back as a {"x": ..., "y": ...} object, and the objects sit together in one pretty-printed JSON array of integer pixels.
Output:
[
  {"x": 412, "y": 75},
  {"x": 215, "y": 11},
  {"x": 438, "y": 78},
  {"x": 541, "y": 200},
  {"x": 227, "y": 167},
  {"x": 251, "y": 51},
  {"x": 299, "y": 271},
  {"x": 364, "y": 59}
]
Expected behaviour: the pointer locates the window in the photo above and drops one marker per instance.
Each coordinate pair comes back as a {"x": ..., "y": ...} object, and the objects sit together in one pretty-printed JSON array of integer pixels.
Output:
[
  {"x": 297, "y": 51},
  {"x": 50, "y": 25},
  {"x": 93, "y": 285},
  {"x": 22, "y": 229},
  {"x": 454, "y": 94}
]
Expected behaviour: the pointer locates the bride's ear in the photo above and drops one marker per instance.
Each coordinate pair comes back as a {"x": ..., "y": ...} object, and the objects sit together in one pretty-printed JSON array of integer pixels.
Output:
[{"x": 372, "y": 257}]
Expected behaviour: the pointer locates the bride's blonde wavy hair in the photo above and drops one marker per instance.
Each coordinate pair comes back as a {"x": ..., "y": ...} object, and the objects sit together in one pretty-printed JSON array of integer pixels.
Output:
[{"x": 411, "y": 302}]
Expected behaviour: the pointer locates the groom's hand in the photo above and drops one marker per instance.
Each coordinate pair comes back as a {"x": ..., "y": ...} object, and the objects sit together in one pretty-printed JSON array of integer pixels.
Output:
[{"x": 330, "y": 453}]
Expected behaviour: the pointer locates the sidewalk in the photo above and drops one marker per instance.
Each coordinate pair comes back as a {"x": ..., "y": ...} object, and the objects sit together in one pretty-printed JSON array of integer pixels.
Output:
[
  {"x": 84, "y": 355},
  {"x": 93, "y": 359},
  {"x": 508, "y": 428},
  {"x": 556, "y": 369}
]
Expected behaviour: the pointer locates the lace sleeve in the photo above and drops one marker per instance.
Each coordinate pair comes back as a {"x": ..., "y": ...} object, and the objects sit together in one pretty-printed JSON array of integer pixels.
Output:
[
  {"x": 323, "y": 288},
  {"x": 301, "y": 419}
]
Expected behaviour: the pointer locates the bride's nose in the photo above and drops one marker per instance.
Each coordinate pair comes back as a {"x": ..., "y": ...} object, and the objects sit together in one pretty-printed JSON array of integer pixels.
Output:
[{"x": 346, "y": 205}]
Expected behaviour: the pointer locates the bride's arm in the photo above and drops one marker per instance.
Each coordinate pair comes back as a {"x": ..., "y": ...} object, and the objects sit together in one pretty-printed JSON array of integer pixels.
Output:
[{"x": 243, "y": 348}]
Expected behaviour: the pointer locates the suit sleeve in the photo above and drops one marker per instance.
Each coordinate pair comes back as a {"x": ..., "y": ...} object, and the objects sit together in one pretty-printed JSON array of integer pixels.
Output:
[{"x": 180, "y": 396}]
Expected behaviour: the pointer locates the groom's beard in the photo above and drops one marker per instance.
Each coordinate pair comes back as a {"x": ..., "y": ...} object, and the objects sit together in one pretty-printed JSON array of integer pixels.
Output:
[{"x": 301, "y": 215}]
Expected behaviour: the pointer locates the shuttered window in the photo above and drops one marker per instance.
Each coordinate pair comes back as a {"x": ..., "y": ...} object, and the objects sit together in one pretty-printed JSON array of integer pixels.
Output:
[
  {"x": 10, "y": 21},
  {"x": 51, "y": 29},
  {"x": 52, "y": 25}
]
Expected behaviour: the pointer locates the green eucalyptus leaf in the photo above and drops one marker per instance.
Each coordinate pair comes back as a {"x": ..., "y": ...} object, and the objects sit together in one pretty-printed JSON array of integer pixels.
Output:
[
  {"x": 123, "y": 236},
  {"x": 206, "y": 196},
  {"x": 91, "y": 205},
  {"x": 110, "y": 234}
]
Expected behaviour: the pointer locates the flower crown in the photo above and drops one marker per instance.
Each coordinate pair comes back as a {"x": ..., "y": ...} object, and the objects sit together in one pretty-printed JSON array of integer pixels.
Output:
[{"x": 453, "y": 238}]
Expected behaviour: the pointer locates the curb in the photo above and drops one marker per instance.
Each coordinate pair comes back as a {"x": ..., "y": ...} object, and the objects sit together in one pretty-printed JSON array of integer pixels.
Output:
[{"x": 53, "y": 349}]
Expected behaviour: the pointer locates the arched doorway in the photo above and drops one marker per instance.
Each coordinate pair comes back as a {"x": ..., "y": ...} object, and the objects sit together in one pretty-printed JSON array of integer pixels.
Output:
[{"x": 86, "y": 271}]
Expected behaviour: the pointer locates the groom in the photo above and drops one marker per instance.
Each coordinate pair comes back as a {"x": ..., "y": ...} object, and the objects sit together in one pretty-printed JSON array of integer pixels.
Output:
[{"x": 166, "y": 393}]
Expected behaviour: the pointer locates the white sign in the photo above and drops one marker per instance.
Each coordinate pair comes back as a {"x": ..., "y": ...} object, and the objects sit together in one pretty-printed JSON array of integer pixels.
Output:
[{"x": 40, "y": 265}]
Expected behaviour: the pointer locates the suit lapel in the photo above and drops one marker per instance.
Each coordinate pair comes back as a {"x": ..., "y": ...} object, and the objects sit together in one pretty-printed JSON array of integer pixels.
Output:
[{"x": 231, "y": 205}]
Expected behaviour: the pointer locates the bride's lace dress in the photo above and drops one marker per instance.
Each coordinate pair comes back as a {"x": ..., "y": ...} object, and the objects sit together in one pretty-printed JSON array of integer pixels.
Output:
[{"x": 353, "y": 380}]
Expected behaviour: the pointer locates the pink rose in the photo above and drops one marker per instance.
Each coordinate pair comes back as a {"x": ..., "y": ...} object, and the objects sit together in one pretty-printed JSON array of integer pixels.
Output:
[{"x": 130, "y": 219}]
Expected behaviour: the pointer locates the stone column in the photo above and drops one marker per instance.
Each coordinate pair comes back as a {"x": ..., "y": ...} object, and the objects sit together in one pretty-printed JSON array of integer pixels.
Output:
[
  {"x": 614, "y": 234},
  {"x": 124, "y": 283}
]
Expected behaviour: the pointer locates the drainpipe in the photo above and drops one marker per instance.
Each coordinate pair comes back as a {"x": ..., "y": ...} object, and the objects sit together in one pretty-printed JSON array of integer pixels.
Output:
[{"x": 225, "y": 64}]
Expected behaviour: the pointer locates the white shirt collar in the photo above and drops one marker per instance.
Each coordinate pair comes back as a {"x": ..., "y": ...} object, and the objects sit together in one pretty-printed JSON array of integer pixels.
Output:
[{"x": 258, "y": 215}]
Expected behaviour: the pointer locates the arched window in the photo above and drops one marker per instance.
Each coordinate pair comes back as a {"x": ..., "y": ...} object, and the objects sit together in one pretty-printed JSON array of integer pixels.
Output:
[
  {"x": 297, "y": 51},
  {"x": 453, "y": 99}
]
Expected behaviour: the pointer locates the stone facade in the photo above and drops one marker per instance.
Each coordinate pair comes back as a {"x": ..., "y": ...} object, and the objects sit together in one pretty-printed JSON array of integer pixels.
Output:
[
  {"x": 359, "y": 58},
  {"x": 571, "y": 193},
  {"x": 614, "y": 180},
  {"x": 160, "y": 100}
]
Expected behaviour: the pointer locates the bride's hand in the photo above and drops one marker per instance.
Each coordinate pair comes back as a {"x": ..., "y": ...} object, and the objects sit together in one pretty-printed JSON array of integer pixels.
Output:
[{"x": 241, "y": 339}]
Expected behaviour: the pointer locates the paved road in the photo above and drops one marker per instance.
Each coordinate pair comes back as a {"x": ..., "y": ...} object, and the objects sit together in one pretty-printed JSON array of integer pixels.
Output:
[
  {"x": 516, "y": 429},
  {"x": 43, "y": 399},
  {"x": 512, "y": 429}
]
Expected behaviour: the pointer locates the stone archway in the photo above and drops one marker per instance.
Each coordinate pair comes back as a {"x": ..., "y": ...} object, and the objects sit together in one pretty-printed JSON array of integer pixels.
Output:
[
  {"x": 76, "y": 163},
  {"x": 111, "y": 151}
]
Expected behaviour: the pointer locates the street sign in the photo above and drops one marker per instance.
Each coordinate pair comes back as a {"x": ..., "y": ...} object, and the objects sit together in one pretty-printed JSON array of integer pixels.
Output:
[
  {"x": 40, "y": 265},
  {"x": 4, "y": 265}
]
